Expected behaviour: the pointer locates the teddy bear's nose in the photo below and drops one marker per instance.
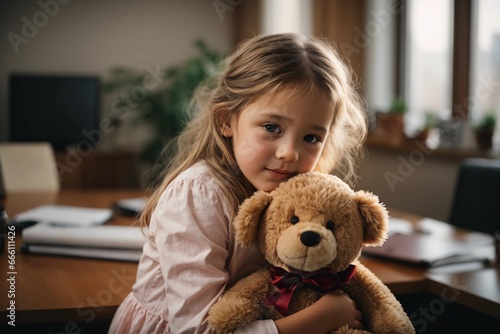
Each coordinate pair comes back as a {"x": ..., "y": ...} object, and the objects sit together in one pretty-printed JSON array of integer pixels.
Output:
[{"x": 310, "y": 238}]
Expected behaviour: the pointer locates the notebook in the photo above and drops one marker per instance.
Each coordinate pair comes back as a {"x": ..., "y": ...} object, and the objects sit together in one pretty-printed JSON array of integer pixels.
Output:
[
  {"x": 102, "y": 236},
  {"x": 100, "y": 242},
  {"x": 94, "y": 253},
  {"x": 424, "y": 250}
]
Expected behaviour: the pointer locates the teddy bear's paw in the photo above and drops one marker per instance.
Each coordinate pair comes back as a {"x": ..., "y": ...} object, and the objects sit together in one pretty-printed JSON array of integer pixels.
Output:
[
  {"x": 347, "y": 330},
  {"x": 227, "y": 315},
  {"x": 392, "y": 320}
]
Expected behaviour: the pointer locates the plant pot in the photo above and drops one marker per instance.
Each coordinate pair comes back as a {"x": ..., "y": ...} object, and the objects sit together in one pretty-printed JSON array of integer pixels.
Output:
[
  {"x": 422, "y": 135},
  {"x": 391, "y": 126},
  {"x": 484, "y": 139}
]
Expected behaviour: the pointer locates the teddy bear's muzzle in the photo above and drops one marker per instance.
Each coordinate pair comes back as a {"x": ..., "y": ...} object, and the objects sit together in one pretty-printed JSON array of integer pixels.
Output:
[{"x": 306, "y": 246}]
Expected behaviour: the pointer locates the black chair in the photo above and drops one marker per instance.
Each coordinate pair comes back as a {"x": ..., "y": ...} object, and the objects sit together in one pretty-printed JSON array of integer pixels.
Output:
[{"x": 476, "y": 202}]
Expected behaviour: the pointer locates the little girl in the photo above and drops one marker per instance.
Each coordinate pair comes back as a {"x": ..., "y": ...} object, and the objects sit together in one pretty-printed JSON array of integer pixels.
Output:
[{"x": 284, "y": 105}]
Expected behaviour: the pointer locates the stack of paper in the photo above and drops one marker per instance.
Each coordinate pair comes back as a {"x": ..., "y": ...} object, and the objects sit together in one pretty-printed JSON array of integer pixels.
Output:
[
  {"x": 66, "y": 215},
  {"x": 75, "y": 231},
  {"x": 106, "y": 242}
]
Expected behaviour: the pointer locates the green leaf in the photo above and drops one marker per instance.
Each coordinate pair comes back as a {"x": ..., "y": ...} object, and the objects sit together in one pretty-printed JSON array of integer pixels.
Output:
[{"x": 164, "y": 108}]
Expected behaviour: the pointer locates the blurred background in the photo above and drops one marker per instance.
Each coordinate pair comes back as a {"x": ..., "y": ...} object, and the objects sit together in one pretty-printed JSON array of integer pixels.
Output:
[{"x": 429, "y": 71}]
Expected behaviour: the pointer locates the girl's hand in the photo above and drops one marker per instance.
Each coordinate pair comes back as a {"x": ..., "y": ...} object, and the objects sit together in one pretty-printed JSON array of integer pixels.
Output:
[
  {"x": 331, "y": 312},
  {"x": 342, "y": 310}
]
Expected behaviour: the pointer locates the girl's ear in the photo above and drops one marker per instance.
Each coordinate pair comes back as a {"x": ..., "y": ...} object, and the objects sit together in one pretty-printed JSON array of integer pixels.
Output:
[
  {"x": 247, "y": 220},
  {"x": 227, "y": 131},
  {"x": 228, "y": 119},
  {"x": 375, "y": 217}
]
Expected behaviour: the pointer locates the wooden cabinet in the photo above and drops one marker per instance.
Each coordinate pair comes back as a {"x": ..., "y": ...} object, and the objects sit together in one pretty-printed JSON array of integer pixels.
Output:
[{"x": 98, "y": 169}]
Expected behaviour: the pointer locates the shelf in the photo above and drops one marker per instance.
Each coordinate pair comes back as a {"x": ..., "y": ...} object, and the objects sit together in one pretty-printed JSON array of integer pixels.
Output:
[{"x": 409, "y": 145}]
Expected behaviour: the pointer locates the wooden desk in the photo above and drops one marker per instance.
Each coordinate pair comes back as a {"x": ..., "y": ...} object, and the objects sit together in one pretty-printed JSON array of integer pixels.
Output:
[
  {"x": 477, "y": 289},
  {"x": 64, "y": 289},
  {"x": 474, "y": 285},
  {"x": 57, "y": 288}
]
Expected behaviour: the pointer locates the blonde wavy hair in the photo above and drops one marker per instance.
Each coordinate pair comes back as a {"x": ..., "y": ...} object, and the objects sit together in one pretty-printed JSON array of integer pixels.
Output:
[{"x": 258, "y": 66}]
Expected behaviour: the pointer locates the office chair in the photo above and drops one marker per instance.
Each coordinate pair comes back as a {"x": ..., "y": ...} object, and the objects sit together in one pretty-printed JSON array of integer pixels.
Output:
[
  {"x": 27, "y": 167},
  {"x": 476, "y": 202}
]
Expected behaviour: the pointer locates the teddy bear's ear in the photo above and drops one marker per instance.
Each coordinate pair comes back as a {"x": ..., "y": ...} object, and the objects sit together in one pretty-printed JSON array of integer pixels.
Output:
[
  {"x": 375, "y": 217},
  {"x": 247, "y": 220}
]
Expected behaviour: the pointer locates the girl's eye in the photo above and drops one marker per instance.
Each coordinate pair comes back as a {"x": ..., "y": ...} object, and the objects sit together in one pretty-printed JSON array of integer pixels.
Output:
[
  {"x": 294, "y": 220},
  {"x": 272, "y": 128},
  {"x": 312, "y": 139},
  {"x": 330, "y": 225}
]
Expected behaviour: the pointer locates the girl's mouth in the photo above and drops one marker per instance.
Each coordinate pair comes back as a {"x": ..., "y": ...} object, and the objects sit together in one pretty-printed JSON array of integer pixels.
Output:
[{"x": 280, "y": 173}]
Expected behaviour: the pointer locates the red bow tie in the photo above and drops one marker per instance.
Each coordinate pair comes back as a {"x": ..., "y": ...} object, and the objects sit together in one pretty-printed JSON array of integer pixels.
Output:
[{"x": 323, "y": 280}]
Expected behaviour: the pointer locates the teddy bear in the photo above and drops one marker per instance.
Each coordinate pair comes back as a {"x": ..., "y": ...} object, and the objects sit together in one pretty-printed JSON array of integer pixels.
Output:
[{"x": 311, "y": 230}]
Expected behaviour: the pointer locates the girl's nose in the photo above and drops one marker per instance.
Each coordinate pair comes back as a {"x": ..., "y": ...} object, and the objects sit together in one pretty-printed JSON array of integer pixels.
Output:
[{"x": 287, "y": 151}]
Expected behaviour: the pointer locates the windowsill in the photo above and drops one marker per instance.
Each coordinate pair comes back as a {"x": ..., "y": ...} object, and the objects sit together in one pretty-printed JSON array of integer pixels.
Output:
[{"x": 411, "y": 145}]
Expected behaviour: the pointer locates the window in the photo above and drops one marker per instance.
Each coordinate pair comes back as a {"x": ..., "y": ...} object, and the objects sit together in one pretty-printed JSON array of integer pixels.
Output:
[
  {"x": 281, "y": 16},
  {"x": 485, "y": 69},
  {"x": 428, "y": 64},
  {"x": 447, "y": 64}
]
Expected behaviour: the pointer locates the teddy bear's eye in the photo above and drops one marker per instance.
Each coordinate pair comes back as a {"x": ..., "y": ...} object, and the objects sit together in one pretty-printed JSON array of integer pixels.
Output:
[
  {"x": 294, "y": 220},
  {"x": 330, "y": 225}
]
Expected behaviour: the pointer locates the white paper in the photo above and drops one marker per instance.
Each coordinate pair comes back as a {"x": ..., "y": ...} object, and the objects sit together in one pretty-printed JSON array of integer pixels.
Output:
[
  {"x": 105, "y": 236},
  {"x": 66, "y": 215},
  {"x": 401, "y": 226},
  {"x": 98, "y": 253},
  {"x": 132, "y": 204}
]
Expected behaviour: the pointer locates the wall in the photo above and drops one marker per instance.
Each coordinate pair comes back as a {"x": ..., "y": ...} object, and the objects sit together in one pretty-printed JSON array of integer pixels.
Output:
[
  {"x": 89, "y": 37},
  {"x": 414, "y": 181}
]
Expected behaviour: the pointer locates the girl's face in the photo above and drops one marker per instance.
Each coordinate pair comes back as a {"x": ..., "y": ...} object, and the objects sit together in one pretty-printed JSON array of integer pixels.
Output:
[{"x": 278, "y": 136}]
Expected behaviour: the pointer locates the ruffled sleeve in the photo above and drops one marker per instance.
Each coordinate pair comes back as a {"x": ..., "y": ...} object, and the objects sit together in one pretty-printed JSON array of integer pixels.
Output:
[{"x": 192, "y": 236}]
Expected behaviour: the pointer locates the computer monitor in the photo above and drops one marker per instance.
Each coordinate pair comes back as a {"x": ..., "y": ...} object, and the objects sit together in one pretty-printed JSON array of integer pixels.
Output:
[{"x": 52, "y": 108}]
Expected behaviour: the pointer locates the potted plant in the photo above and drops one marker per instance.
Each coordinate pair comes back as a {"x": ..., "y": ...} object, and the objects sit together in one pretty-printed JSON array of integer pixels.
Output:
[
  {"x": 484, "y": 131},
  {"x": 431, "y": 120},
  {"x": 163, "y": 108},
  {"x": 391, "y": 123},
  {"x": 398, "y": 107}
]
